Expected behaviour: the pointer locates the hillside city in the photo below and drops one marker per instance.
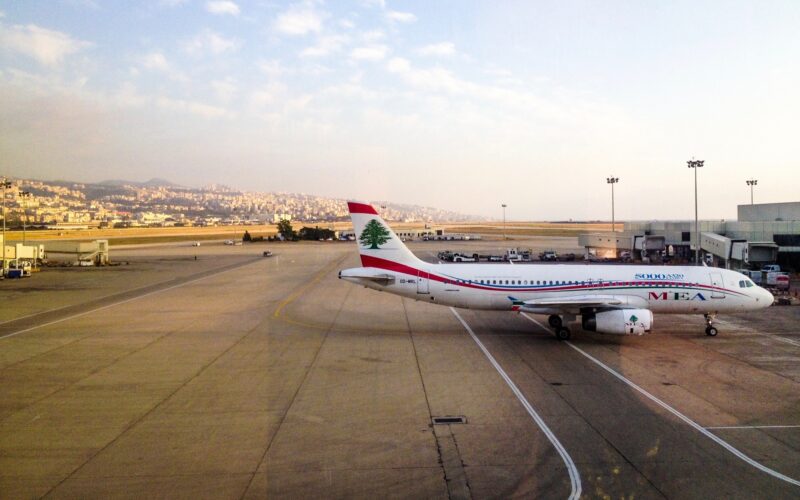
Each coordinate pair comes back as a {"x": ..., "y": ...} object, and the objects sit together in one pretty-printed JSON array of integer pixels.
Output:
[{"x": 161, "y": 203}]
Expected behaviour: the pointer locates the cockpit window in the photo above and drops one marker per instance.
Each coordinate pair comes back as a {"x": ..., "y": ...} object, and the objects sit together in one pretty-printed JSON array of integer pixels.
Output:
[
  {"x": 750, "y": 283},
  {"x": 742, "y": 284}
]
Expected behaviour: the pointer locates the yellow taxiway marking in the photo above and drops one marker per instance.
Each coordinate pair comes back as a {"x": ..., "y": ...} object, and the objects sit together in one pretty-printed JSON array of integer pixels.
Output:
[
  {"x": 294, "y": 295},
  {"x": 278, "y": 314}
]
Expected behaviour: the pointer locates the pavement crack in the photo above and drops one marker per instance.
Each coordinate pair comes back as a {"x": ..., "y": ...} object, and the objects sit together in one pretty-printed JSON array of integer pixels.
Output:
[{"x": 155, "y": 407}]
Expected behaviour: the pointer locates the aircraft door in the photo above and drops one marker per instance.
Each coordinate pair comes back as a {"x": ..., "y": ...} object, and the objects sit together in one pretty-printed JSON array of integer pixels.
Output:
[
  {"x": 423, "y": 282},
  {"x": 716, "y": 281}
]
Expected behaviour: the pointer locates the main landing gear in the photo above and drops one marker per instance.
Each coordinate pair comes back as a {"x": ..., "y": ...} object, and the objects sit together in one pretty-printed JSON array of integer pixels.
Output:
[
  {"x": 711, "y": 330},
  {"x": 561, "y": 331}
]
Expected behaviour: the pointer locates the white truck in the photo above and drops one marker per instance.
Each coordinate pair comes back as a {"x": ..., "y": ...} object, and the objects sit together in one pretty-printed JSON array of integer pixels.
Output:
[
  {"x": 464, "y": 258},
  {"x": 515, "y": 255},
  {"x": 778, "y": 280},
  {"x": 772, "y": 277}
]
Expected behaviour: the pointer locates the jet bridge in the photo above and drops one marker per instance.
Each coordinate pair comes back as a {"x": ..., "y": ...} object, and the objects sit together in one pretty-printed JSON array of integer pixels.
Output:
[{"x": 738, "y": 252}]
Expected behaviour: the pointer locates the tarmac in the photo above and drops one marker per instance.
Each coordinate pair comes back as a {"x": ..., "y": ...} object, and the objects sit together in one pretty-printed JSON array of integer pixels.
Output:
[{"x": 237, "y": 376}]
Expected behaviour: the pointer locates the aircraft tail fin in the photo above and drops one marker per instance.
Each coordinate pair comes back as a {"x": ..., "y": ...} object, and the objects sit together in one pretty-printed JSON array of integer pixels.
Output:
[{"x": 378, "y": 245}]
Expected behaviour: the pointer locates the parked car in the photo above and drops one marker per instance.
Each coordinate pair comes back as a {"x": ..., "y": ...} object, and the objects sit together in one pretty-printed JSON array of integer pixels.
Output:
[{"x": 196, "y": 244}]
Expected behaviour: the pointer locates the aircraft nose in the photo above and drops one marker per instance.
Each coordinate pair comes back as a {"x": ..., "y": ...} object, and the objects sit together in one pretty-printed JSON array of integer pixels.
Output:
[{"x": 765, "y": 298}]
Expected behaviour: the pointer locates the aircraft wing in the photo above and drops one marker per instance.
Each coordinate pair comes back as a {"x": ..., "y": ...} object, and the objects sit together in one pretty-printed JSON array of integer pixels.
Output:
[{"x": 575, "y": 303}]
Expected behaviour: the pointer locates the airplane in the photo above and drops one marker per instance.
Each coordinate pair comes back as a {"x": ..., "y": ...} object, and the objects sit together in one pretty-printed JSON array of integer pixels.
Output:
[{"x": 609, "y": 299}]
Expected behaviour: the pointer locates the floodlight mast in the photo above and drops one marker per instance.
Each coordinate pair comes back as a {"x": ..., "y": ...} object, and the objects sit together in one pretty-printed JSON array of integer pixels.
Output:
[
  {"x": 751, "y": 183},
  {"x": 5, "y": 184},
  {"x": 504, "y": 221},
  {"x": 612, "y": 180},
  {"x": 24, "y": 196},
  {"x": 695, "y": 164}
]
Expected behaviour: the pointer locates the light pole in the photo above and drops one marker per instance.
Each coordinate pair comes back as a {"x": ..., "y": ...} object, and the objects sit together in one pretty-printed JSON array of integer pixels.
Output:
[
  {"x": 24, "y": 195},
  {"x": 751, "y": 183},
  {"x": 504, "y": 221},
  {"x": 695, "y": 164},
  {"x": 612, "y": 180},
  {"x": 6, "y": 185}
]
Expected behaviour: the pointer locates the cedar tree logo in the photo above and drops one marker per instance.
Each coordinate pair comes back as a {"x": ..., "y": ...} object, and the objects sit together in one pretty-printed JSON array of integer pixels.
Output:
[
  {"x": 634, "y": 319},
  {"x": 374, "y": 235}
]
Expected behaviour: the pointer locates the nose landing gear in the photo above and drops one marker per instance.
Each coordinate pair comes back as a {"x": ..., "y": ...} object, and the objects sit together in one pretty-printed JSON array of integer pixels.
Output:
[{"x": 711, "y": 330}]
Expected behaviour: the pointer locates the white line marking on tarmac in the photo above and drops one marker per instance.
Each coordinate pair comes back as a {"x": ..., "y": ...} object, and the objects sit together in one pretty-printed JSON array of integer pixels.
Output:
[
  {"x": 755, "y": 427},
  {"x": 47, "y": 311},
  {"x": 84, "y": 313},
  {"x": 574, "y": 475},
  {"x": 773, "y": 336},
  {"x": 699, "y": 428}
]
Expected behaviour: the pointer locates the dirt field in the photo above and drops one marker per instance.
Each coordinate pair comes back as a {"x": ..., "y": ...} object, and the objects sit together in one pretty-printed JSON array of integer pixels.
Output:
[{"x": 140, "y": 235}]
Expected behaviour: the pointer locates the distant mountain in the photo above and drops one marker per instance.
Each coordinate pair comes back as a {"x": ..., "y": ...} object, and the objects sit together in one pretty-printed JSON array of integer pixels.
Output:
[{"x": 154, "y": 182}]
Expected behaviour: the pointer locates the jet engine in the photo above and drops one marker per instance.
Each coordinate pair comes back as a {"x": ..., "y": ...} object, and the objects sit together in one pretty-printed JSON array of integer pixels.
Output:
[{"x": 619, "y": 321}]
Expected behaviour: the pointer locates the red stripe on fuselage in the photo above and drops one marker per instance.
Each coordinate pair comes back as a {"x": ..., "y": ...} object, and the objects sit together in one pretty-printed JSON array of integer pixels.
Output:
[
  {"x": 388, "y": 265},
  {"x": 360, "y": 208}
]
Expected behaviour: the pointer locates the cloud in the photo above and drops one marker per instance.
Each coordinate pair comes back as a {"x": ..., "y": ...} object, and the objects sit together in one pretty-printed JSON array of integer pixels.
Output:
[
  {"x": 442, "y": 81},
  {"x": 443, "y": 49},
  {"x": 370, "y": 53},
  {"x": 400, "y": 17},
  {"x": 193, "y": 107},
  {"x": 49, "y": 47},
  {"x": 210, "y": 42},
  {"x": 225, "y": 89},
  {"x": 155, "y": 61},
  {"x": 222, "y": 7},
  {"x": 326, "y": 45},
  {"x": 271, "y": 68},
  {"x": 172, "y": 3},
  {"x": 398, "y": 65},
  {"x": 127, "y": 96},
  {"x": 299, "y": 20},
  {"x": 374, "y": 3},
  {"x": 373, "y": 36},
  {"x": 89, "y": 4}
]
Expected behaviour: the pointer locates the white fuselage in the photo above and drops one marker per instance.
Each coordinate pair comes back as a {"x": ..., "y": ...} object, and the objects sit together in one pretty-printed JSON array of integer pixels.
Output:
[{"x": 663, "y": 289}]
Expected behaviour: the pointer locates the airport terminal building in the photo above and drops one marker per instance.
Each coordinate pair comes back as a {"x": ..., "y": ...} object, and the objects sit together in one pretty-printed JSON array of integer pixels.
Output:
[{"x": 763, "y": 233}]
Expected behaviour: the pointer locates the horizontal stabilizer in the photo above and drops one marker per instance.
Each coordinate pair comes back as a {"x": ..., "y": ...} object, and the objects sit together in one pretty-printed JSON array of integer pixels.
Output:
[{"x": 362, "y": 274}]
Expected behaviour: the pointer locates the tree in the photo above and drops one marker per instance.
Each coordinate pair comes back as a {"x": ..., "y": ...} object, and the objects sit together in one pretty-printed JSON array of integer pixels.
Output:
[
  {"x": 374, "y": 234},
  {"x": 315, "y": 233},
  {"x": 285, "y": 229},
  {"x": 247, "y": 236}
]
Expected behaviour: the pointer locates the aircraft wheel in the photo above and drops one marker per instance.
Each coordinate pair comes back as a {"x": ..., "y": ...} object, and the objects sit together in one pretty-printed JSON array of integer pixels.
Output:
[
  {"x": 711, "y": 331},
  {"x": 555, "y": 321},
  {"x": 563, "y": 333}
]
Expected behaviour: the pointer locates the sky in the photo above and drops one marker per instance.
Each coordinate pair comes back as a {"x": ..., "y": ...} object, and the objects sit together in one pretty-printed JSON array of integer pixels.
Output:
[{"x": 461, "y": 105}]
